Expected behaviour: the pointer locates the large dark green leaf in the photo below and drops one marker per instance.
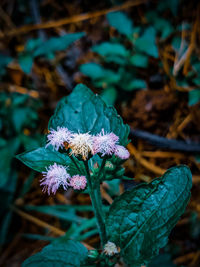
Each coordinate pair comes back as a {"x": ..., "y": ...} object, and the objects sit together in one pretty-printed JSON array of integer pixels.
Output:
[
  {"x": 59, "y": 254},
  {"x": 121, "y": 22},
  {"x": 140, "y": 220},
  {"x": 83, "y": 111},
  {"x": 40, "y": 158}
]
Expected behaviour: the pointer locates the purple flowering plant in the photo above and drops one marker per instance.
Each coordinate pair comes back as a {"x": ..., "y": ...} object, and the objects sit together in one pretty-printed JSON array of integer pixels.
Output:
[{"x": 86, "y": 145}]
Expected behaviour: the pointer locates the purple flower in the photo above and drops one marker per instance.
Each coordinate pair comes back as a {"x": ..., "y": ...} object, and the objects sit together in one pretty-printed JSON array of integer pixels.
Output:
[
  {"x": 105, "y": 143},
  {"x": 78, "y": 182},
  {"x": 54, "y": 177},
  {"x": 121, "y": 152},
  {"x": 56, "y": 138}
]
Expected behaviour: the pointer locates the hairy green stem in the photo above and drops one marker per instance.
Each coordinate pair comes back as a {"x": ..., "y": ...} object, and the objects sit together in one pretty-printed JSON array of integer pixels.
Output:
[{"x": 97, "y": 209}]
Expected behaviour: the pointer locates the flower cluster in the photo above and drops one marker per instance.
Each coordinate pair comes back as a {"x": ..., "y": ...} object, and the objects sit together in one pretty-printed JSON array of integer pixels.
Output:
[
  {"x": 83, "y": 144},
  {"x": 57, "y": 175}
]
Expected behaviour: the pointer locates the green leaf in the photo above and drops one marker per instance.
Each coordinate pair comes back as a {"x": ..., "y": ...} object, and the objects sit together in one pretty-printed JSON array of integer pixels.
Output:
[
  {"x": 83, "y": 111},
  {"x": 97, "y": 73},
  {"x": 57, "y": 44},
  {"x": 26, "y": 62},
  {"x": 141, "y": 219},
  {"x": 4, "y": 61},
  {"x": 109, "y": 95},
  {"x": 40, "y": 158},
  {"x": 139, "y": 60},
  {"x": 135, "y": 84},
  {"x": 59, "y": 254},
  {"x": 194, "y": 97},
  {"x": 121, "y": 22},
  {"x": 106, "y": 49},
  {"x": 163, "y": 260},
  {"x": 147, "y": 42}
]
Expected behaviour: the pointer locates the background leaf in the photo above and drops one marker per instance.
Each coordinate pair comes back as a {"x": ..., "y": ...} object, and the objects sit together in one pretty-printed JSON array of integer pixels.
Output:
[
  {"x": 194, "y": 97},
  {"x": 106, "y": 49},
  {"x": 139, "y": 60},
  {"x": 121, "y": 22},
  {"x": 140, "y": 220},
  {"x": 57, "y": 44},
  {"x": 147, "y": 42},
  {"x": 99, "y": 74}
]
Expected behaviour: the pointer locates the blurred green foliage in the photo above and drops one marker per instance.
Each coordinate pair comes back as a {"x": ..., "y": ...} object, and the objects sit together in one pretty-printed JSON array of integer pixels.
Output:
[{"x": 18, "y": 123}]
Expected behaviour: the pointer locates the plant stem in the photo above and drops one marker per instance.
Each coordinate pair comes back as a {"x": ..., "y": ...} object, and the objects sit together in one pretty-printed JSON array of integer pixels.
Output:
[
  {"x": 97, "y": 210},
  {"x": 97, "y": 186}
]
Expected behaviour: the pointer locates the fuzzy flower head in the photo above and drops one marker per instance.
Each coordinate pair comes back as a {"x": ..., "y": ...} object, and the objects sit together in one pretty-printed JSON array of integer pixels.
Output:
[
  {"x": 121, "y": 152},
  {"x": 78, "y": 182},
  {"x": 110, "y": 249},
  {"x": 55, "y": 176},
  {"x": 81, "y": 144},
  {"x": 58, "y": 137},
  {"x": 105, "y": 144}
]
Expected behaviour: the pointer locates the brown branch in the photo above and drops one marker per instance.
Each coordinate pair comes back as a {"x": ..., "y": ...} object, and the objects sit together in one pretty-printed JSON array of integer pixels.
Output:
[{"x": 73, "y": 19}]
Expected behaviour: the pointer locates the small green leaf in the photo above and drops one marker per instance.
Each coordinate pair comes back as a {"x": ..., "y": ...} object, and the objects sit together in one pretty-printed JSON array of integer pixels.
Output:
[
  {"x": 135, "y": 84},
  {"x": 4, "y": 61},
  {"x": 59, "y": 253},
  {"x": 106, "y": 49},
  {"x": 194, "y": 97},
  {"x": 26, "y": 62},
  {"x": 121, "y": 22},
  {"x": 109, "y": 95},
  {"x": 147, "y": 42},
  {"x": 57, "y": 44},
  {"x": 139, "y": 60},
  {"x": 97, "y": 73},
  {"x": 83, "y": 111},
  {"x": 141, "y": 219}
]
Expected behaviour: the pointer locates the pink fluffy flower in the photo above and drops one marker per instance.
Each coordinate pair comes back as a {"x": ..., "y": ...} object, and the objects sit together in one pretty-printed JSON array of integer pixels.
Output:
[
  {"x": 105, "y": 143},
  {"x": 55, "y": 176},
  {"x": 78, "y": 182},
  {"x": 121, "y": 152},
  {"x": 56, "y": 138}
]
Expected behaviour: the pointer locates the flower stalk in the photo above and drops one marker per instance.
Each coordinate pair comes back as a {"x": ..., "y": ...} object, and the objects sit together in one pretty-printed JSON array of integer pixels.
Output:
[{"x": 96, "y": 207}]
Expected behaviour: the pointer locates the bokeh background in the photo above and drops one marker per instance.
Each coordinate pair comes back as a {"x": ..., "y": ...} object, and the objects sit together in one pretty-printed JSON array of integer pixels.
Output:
[{"x": 144, "y": 59}]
